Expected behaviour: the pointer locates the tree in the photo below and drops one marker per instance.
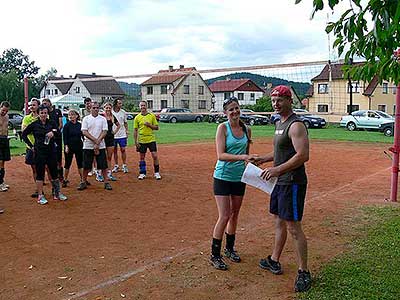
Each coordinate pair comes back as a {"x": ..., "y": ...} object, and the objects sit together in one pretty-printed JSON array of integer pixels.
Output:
[
  {"x": 12, "y": 90},
  {"x": 376, "y": 45},
  {"x": 15, "y": 60},
  {"x": 263, "y": 104}
]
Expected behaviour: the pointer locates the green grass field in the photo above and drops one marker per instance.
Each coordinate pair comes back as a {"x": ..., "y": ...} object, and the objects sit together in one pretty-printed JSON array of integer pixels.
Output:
[{"x": 194, "y": 132}]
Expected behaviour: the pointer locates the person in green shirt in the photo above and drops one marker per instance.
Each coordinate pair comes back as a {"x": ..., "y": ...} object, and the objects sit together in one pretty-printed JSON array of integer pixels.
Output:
[{"x": 144, "y": 125}]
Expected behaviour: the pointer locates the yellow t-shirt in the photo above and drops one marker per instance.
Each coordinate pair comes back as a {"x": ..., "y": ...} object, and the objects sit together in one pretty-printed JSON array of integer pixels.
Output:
[
  {"x": 28, "y": 119},
  {"x": 146, "y": 134}
]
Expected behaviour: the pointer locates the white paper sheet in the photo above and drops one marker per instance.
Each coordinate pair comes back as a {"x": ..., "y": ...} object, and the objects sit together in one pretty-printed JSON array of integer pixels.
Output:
[{"x": 252, "y": 176}]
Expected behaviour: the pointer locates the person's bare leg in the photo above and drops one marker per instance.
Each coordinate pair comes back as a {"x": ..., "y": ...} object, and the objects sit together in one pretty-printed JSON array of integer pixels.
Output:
[
  {"x": 300, "y": 243},
  {"x": 280, "y": 238}
]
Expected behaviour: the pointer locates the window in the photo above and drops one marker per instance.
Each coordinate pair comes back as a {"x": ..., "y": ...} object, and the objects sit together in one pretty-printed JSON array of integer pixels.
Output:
[
  {"x": 322, "y": 107},
  {"x": 186, "y": 89},
  {"x": 47, "y": 92},
  {"x": 394, "y": 90},
  {"x": 382, "y": 107},
  {"x": 394, "y": 109},
  {"x": 384, "y": 88},
  {"x": 355, "y": 87},
  {"x": 185, "y": 103},
  {"x": 164, "y": 104},
  {"x": 201, "y": 90},
  {"x": 150, "y": 104},
  {"x": 323, "y": 88},
  {"x": 355, "y": 108},
  {"x": 149, "y": 90},
  {"x": 252, "y": 96},
  {"x": 202, "y": 104},
  {"x": 227, "y": 95},
  {"x": 55, "y": 92},
  {"x": 240, "y": 96},
  {"x": 163, "y": 89},
  {"x": 77, "y": 89}
]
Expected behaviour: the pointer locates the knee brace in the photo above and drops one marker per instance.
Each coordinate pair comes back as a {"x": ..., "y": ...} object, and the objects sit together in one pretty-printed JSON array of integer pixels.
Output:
[{"x": 142, "y": 167}]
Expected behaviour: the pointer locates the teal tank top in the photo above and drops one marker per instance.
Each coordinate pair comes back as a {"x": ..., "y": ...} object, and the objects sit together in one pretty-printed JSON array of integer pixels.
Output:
[{"x": 232, "y": 170}]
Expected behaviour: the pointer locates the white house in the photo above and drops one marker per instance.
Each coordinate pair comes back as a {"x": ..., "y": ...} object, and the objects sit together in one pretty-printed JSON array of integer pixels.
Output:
[{"x": 245, "y": 90}]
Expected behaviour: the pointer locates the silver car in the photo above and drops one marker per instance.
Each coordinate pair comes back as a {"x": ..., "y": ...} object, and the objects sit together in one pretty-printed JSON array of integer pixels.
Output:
[
  {"x": 173, "y": 115},
  {"x": 365, "y": 119}
]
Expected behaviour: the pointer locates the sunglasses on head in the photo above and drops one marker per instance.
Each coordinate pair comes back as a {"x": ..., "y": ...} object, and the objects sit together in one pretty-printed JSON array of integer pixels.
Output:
[{"x": 229, "y": 101}]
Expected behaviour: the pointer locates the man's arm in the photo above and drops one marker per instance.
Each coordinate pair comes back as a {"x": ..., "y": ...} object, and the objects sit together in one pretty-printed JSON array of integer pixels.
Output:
[
  {"x": 299, "y": 137},
  {"x": 135, "y": 136}
]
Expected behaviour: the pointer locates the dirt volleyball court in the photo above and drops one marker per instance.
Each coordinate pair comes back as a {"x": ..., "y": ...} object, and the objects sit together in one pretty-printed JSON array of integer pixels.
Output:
[{"x": 151, "y": 239}]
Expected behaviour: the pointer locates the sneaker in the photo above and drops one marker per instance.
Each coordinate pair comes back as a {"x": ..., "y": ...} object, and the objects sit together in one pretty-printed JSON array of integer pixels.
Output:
[
  {"x": 232, "y": 255},
  {"x": 124, "y": 169},
  {"x": 157, "y": 176},
  {"x": 60, "y": 197},
  {"x": 271, "y": 265},
  {"x": 88, "y": 183},
  {"x": 82, "y": 186},
  {"x": 42, "y": 200},
  {"x": 111, "y": 177},
  {"x": 218, "y": 263},
  {"x": 141, "y": 176},
  {"x": 6, "y": 185},
  {"x": 116, "y": 169},
  {"x": 35, "y": 195},
  {"x": 99, "y": 176},
  {"x": 65, "y": 183},
  {"x": 1, "y": 210},
  {"x": 303, "y": 281},
  {"x": 3, "y": 188},
  {"x": 92, "y": 172},
  {"x": 107, "y": 186}
]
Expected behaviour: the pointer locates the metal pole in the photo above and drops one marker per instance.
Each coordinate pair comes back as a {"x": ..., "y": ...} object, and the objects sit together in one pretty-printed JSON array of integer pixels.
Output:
[
  {"x": 395, "y": 149},
  {"x": 26, "y": 94}
]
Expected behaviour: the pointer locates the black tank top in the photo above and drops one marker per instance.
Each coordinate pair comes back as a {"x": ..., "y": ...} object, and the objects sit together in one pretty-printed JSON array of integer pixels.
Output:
[{"x": 284, "y": 150}]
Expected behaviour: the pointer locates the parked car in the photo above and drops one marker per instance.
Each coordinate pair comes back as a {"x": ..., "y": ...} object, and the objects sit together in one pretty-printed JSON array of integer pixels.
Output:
[
  {"x": 246, "y": 118},
  {"x": 14, "y": 120},
  {"x": 365, "y": 119},
  {"x": 156, "y": 112},
  {"x": 387, "y": 128},
  {"x": 173, "y": 115},
  {"x": 129, "y": 116},
  {"x": 309, "y": 120},
  {"x": 301, "y": 111}
]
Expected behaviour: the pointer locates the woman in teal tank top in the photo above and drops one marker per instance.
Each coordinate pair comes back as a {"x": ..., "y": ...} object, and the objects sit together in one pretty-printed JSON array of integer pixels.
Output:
[{"x": 232, "y": 143}]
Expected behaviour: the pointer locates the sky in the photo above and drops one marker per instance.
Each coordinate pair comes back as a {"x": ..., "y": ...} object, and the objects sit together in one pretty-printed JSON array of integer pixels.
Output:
[{"x": 124, "y": 37}]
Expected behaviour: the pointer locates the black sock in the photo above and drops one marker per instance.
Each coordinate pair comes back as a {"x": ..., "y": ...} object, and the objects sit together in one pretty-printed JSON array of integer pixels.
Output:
[
  {"x": 230, "y": 241},
  {"x": 2, "y": 173},
  {"x": 156, "y": 168},
  {"x": 216, "y": 247}
]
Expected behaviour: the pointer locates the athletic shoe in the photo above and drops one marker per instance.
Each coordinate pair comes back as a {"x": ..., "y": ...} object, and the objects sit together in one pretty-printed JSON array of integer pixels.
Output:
[
  {"x": 60, "y": 197},
  {"x": 88, "y": 183},
  {"x": 271, "y": 265},
  {"x": 157, "y": 176},
  {"x": 35, "y": 195},
  {"x": 82, "y": 186},
  {"x": 65, "y": 183},
  {"x": 124, "y": 169},
  {"x": 91, "y": 172},
  {"x": 1, "y": 210},
  {"x": 116, "y": 169},
  {"x": 3, "y": 188},
  {"x": 218, "y": 263},
  {"x": 99, "y": 176},
  {"x": 303, "y": 281},
  {"x": 232, "y": 255},
  {"x": 111, "y": 177},
  {"x": 107, "y": 186},
  {"x": 141, "y": 176},
  {"x": 42, "y": 200},
  {"x": 6, "y": 185}
]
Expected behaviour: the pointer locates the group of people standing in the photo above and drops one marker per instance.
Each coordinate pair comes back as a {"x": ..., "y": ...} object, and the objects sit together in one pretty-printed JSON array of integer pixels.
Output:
[{"x": 291, "y": 151}]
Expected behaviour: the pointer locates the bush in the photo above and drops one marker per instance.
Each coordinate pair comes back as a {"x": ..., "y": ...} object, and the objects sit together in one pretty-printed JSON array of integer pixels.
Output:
[{"x": 263, "y": 104}]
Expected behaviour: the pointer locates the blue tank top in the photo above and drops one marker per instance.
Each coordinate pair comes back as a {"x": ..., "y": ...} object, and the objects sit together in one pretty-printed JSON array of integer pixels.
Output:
[{"x": 232, "y": 170}]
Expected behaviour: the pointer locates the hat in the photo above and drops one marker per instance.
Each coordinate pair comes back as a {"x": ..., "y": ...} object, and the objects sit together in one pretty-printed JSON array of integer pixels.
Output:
[{"x": 281, "y": 91}]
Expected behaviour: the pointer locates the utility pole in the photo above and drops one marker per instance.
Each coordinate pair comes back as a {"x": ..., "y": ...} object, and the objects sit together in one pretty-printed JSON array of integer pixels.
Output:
[{"x": 350, "y": 62}]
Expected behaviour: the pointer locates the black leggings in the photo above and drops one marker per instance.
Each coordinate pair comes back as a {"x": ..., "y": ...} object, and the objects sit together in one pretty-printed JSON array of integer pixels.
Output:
[
  {"x": 78, "y": 157},
  {"x": 41, "y": 160}
]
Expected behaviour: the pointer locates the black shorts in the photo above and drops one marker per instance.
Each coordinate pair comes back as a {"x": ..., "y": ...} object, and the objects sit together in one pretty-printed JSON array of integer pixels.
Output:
[
  {"x": 144, "y": 146},
  {"x": 287, "y": 201},
  {"x": 5, "y": 154},
  {"x": 59, "y": 150},
  {"x": 109, "y": 140},
  {"x": 227, "y": 188},
  {"x": 88, "y": 157},
  {"x": 30, "y": 157},
  {"x": 78, "y": 152}
]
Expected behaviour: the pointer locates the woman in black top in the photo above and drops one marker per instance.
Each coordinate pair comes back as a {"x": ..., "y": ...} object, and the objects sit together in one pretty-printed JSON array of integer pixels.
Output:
[
  {"x": 73, "y": 145},
  {"x": 44, "y": 151},
  {"x": 109, "y": 139}
]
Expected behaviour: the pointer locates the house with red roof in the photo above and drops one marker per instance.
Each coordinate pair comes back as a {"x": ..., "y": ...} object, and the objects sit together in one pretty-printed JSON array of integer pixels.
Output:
[
  {"x": 245, "y": 90},
  {"x": 180, "y": 88},
  {"x": 330, "y": 93}
]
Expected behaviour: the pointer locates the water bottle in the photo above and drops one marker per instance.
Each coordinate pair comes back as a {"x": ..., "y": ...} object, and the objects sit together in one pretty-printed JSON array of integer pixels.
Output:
[{"x": 46, "y": 140}]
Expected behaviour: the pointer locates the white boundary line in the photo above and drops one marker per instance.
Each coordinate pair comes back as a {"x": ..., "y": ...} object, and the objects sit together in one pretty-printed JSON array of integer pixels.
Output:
[{"x": 122, "y": 277}]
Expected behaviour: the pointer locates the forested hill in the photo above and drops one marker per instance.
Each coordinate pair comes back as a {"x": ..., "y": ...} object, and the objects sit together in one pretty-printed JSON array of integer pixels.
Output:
[
  {"x": 131, "y": 89},
  {"x": 262, "y": 81}
]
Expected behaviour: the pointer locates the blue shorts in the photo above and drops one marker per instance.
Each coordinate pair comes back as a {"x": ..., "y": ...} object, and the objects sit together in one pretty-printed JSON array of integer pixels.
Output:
[
  {"x": 287, "y": 201},
  {"x": 122, "y": 142}
]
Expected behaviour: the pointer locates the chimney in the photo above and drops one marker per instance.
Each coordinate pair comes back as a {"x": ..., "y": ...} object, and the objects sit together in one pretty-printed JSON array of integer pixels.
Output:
[
  {"x": 181, "y": 67},
  {"x": 171, "y": 68},
  {"x": 70, "y": 76},
  {"x": 62, "y": 76},
  {"x": 93, "y": 73},
  {"x": 269, "y": 85}
]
